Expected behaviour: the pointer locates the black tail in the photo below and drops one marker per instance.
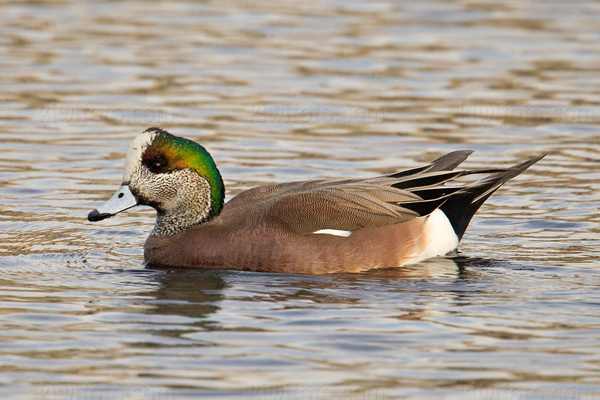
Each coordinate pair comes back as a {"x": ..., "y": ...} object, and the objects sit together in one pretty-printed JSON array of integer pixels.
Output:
[{"x": 463, "y": 204}]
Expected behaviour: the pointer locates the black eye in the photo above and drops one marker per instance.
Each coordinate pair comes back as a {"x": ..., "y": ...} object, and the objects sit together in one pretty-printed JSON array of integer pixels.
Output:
[{"x": 157, "y": 166}]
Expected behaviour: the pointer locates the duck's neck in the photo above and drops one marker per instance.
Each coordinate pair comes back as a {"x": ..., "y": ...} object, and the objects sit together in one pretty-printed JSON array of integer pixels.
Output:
[
  {"x": 194, "y": 206},
  {"x": 171, "y": 224}
]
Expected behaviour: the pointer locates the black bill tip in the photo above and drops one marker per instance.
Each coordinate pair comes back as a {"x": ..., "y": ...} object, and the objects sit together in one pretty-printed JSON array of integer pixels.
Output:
[{"x": 94, "y": 216}]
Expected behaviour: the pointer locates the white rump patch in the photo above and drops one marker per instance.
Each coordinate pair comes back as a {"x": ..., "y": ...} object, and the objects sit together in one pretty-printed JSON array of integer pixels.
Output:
[
  {"x": 333, "y": 232},
  {"x": 134, "y": 154},
  {"x": 439, "y": 236}
]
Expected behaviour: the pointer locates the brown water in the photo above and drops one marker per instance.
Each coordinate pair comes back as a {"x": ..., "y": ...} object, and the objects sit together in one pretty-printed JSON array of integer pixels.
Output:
[{"x": 281, "y": 91}]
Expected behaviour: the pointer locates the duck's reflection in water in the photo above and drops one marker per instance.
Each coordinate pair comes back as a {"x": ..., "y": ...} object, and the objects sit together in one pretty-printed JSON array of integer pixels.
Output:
[
  {"x": 198, "y": 294},
  {"x": 247, "y": 328}
]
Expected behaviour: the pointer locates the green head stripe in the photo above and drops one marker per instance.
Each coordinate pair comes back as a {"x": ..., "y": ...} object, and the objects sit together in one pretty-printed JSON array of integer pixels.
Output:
[{"x": 175, "y": 153}]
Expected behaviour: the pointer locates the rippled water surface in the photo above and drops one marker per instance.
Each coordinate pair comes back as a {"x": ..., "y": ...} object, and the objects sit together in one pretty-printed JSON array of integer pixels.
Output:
[{"x": 290, "y": 90}]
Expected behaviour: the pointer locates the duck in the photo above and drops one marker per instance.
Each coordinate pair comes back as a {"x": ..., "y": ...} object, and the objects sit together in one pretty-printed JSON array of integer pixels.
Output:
[{"x": 310, "y": 227}]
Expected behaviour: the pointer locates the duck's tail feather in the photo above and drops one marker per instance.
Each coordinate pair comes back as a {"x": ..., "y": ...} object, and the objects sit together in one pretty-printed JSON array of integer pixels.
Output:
[
  {"x": 460, "y": 206},
  {"x": 450, "y": 160},
  {"x": 445, "y": 163}
]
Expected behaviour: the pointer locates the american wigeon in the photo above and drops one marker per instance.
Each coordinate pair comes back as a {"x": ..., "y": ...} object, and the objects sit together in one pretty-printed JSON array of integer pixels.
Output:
[{"x": 308, "y": 227}]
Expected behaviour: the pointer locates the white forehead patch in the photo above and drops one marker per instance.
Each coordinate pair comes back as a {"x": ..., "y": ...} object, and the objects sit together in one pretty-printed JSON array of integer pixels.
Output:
[{"x": 134, "y": 154}]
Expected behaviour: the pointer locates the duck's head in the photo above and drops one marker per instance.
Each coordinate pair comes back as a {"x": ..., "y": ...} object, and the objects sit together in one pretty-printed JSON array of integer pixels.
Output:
[{"x": 176, "y": 176}]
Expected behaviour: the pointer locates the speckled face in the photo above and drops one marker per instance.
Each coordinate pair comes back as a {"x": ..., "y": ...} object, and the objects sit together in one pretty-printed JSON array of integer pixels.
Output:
[
  {"x": 156, "y": 165},
  {"x": 167, "y": 191},
  {"x": 176, "y": 176}
]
